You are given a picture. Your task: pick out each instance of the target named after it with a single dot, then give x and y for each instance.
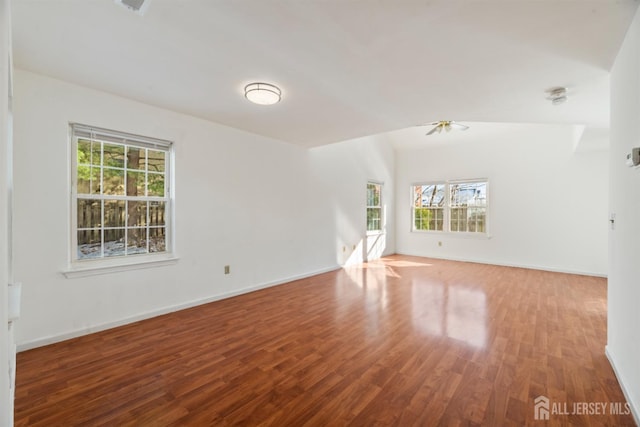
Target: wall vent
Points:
(137, 6)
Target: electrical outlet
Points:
(227, 269)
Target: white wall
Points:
(6, 405)
(623, 346)
(547, 204)
(344, 170)
(264, 207)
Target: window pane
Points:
(157, 240)
(96, 153)
(84, 152)
(455, 216)
(89, 213)
(113, 180)
(438, 219)
(137, 214)
(135, 158)
(155, 161)
(89, 244)
(114, 242)
(373, 219)
(83, 179)
(429, 195)
(156, 184)
(428, 219)
(113, 155)
(469, 194)
(136, 240)
(156, 213)
(88, 180)
(373, 194)
(114, 213)
(477, 219)
(135, 184)
(422, 216)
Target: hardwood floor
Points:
(401, 341)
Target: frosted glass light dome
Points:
(262, 93)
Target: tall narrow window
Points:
(374, 207)
(454, 206)
(121, 198)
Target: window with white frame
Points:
(121, 203)
(428, 207)
(454, 206)
(374, 207)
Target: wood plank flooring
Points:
(397, 342)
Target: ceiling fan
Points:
(446, 125)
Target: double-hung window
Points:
(121, 202)
(428, 207)
(374, 207)
(452, 206)
(468, 207)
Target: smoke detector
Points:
(557, 95)
(137, 6)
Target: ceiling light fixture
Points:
(262, 93)
(446, 125)
(557, 95)
(137, 6)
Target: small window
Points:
(121, 197)
(455, 206)
(374, 207)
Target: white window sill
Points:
(97, 267)
(480, 236)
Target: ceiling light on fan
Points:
(447, 125)
(557, 95)
(137, 6)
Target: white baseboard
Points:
(506, 264)
(40, 342)
(635, 411)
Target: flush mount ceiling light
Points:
(557, 95)
(262, 93)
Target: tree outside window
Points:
(121, 194)
(456, 206)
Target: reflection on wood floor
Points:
(399, 341)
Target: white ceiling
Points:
(347, 68)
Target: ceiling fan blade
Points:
(459, 126)
(432, 131)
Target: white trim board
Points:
(634, 410)
(506, 264)
(40, 342)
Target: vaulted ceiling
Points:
(347, 68)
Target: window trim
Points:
(381, 230)
(91, 266)
(447, 209)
